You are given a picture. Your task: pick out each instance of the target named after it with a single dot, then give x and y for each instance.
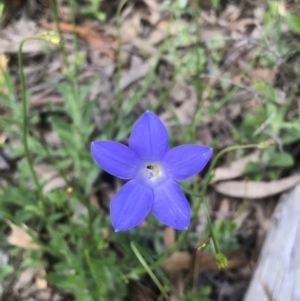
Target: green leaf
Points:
(282, 159)
(64, 130)
(294, 23)
(1, 9)
(291, 135)
(6, 270)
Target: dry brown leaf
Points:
(206, 261)
(184, 112)
(32, 281)
(47, 173)
(25, 279)
(38, 101)
(264, 74)
(178, 261)
(235, 169)
(103, 43)
(179, 92)
(135, 74)
(131, 28)
(20, 238)
(230, 14)
(158, 34)
(57, 182)
(12, 36)
(256, 190)
(154, 8)
(241, 26)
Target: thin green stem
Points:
(62, 42)
(72, 15)
(119, 60)
(154, 266)
(197, 82)
(210, 226)
(92, 270)
(149, 271)
(25, 125)
(118, 102)
(184, 234)
(208, 176)
(72, 73)
(206, 183)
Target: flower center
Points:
(152, 171)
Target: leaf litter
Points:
(256, 190)
(144, 29)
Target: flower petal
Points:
(186, 160)
(171, 206)
(149, 137)
(130, 205)
(117, 159)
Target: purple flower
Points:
(153, 169)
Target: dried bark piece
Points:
(278, 269)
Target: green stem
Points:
(184, 234)
(214, 162)
(92, 270)
(209, 222)
(197, 82)
(73, 74)
(72, 15)
(155, 267)
(25, 124)
(149, 271)
(118, 102)
(210, 171)
(62, 42)
(206, 183)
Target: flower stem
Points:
(149, 271)
(118, 97)
(184, 234)
(209, 222)
(25, 124)
(196, 82)
(62, 43)
(208, 179)
(205, 185)
(214, 162)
